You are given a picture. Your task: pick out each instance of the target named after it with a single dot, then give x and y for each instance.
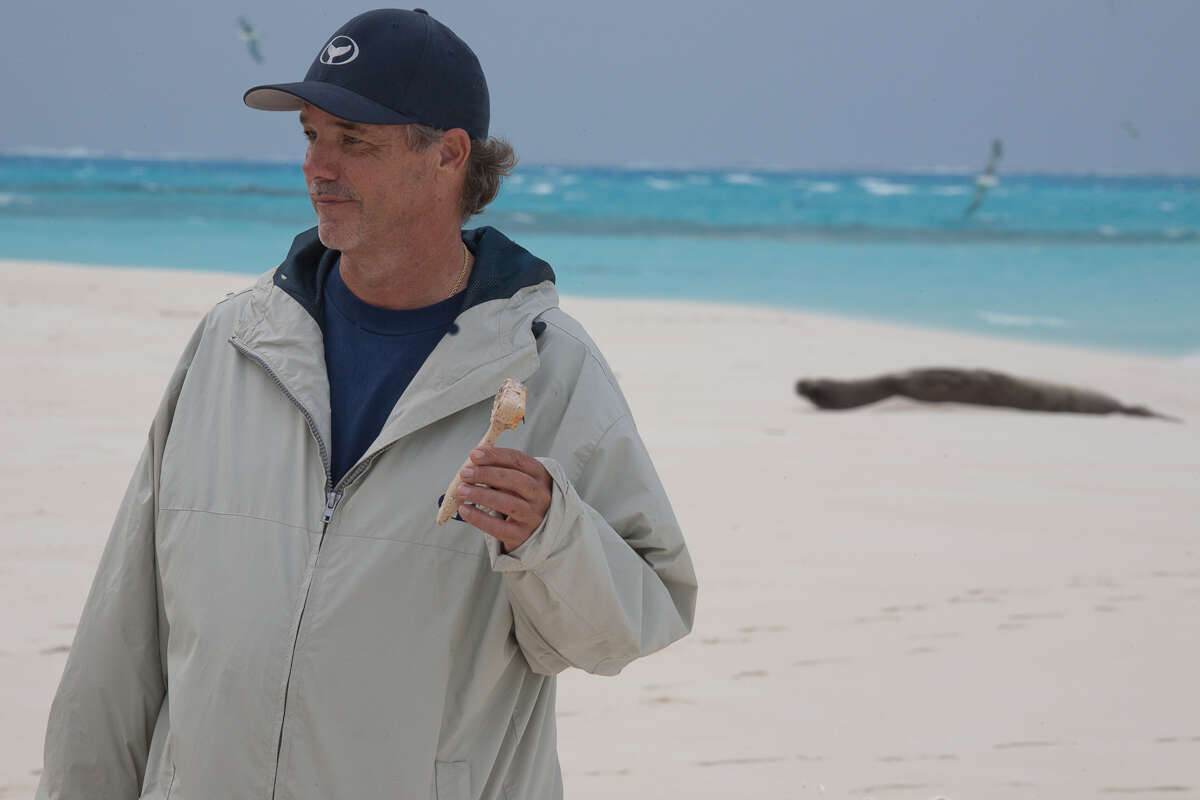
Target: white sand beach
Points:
(902, 601)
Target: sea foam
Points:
(743, 179)
(882, 188)
(1022, 320)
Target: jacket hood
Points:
(502, 268)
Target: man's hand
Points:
(518, 486)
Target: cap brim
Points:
(332, 99)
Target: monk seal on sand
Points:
(974, 386)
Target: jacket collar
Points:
(501, 268)
(495, 338)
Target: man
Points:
(276, 613)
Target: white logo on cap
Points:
(340, 50)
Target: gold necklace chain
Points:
(462, 274)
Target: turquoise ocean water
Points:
(1110, 262)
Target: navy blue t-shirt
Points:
(372, 354)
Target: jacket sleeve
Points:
(606, 578)
(103, 714)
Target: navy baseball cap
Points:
(390, 67)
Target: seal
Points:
(972, 386)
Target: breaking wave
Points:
(743, 179)
(1022, 320)
(882, 188)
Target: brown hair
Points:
(490, 161)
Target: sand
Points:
(905, 601)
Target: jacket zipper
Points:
(331, 501)
(332, 497)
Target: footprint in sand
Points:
(748, 629)
(726, 640)
(1185, 574)
(58, 648)
(813, 662)
(751, 673)
(757, 628)
(979, 596)
(1016, 745)
(1092, 581)
(901, 609)
(890, 614)
(932, 757)
(1145, 789)
(893, 787)
(723, 762)
(625, 771)
(1018, 621)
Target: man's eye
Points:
(309, 135)
(351, 140)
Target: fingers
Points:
(511, 534)
(504, 479)
(515, 508)
(506, 457)
(516, 485)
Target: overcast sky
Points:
(845, 84)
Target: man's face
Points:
(366, 185)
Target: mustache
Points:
(329, 189)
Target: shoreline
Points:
(1190, 359)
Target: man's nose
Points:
(319, 163)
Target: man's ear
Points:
(455, 149)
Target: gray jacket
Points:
(255, 632)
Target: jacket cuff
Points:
(547, 537)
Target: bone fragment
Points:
(508, 410)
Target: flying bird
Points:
(250, 36)
(1131, 129)
(986, 179)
